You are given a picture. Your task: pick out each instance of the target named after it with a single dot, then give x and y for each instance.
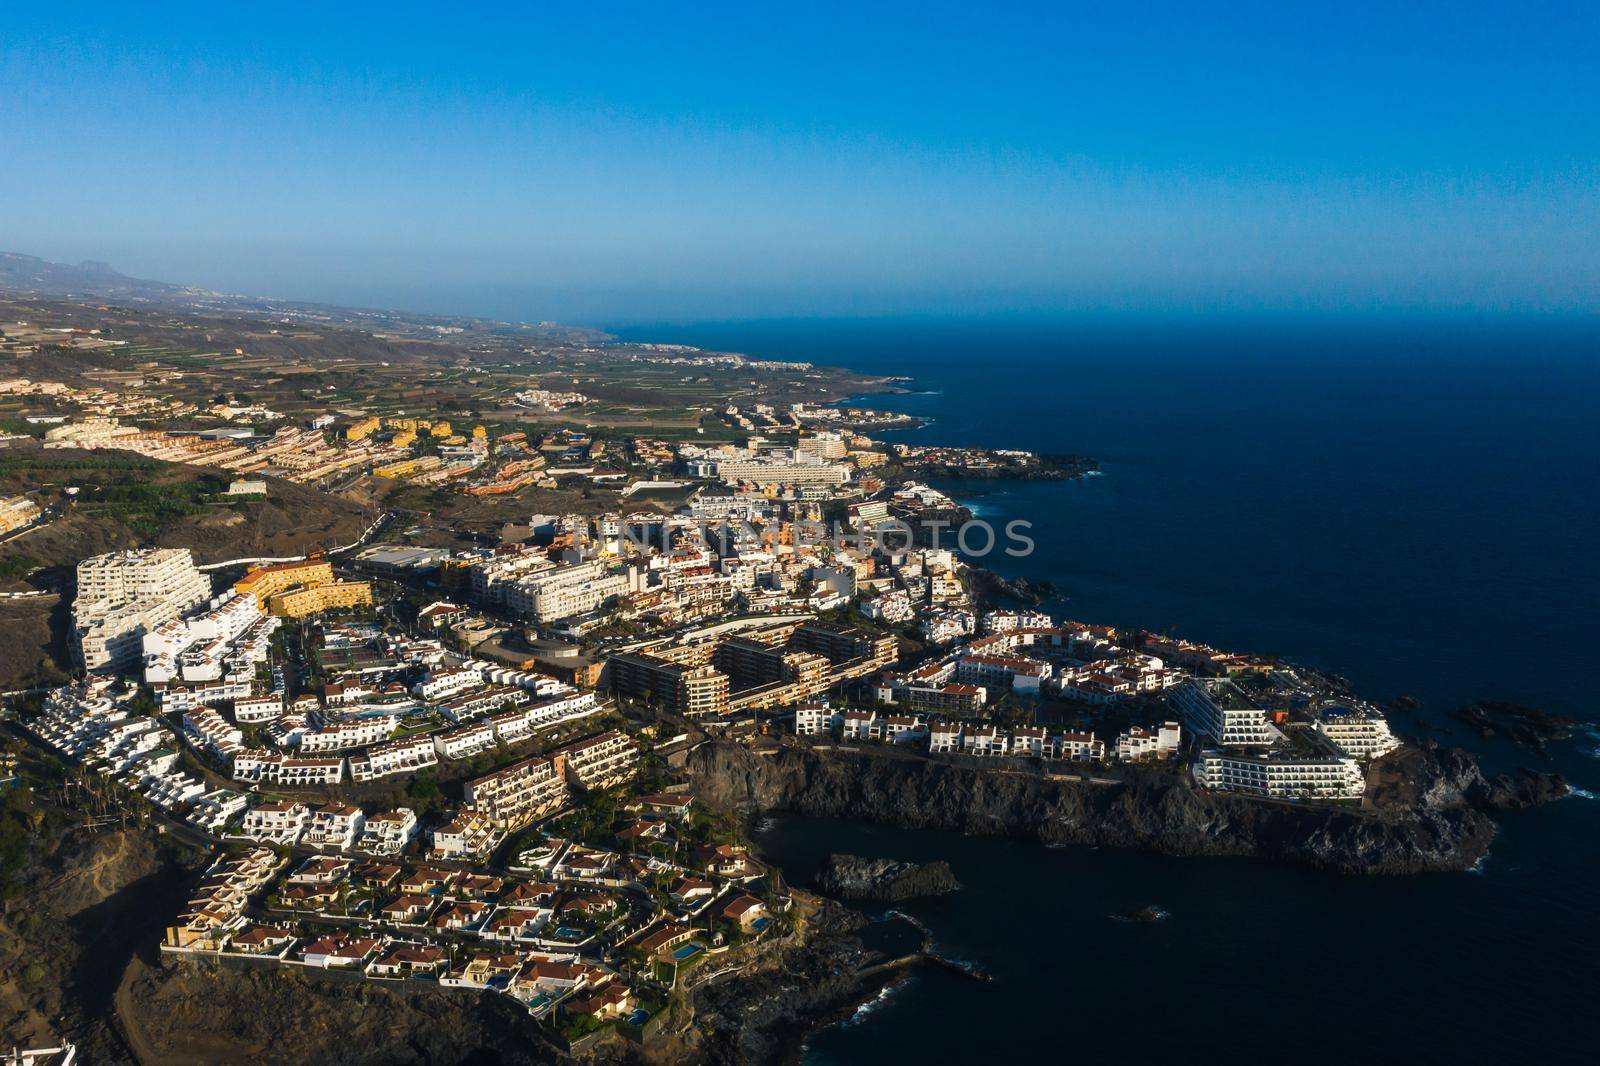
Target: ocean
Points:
(1411, 504)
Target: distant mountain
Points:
(30, 275)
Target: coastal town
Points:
(470, 763)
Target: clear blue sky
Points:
(619, 162)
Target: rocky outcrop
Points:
(1527, 726)
(1149, 811)
(884, 880)
(765, 1014)
(1429, 776)
(196, 1010)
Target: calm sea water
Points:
(1412, 505)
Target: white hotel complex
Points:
(124, 595)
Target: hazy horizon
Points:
(727, 163)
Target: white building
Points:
(124, 595)
(388, 832)
(465, 741)
(1221, 711)
(1330, 775)
(944, 737)
(256, 709)
(902, 728)
(336, 826)
(276, 823)
(564, 591)
(354, 733)
(812, 719)
(403, 756)
(860, 725)
(1155, 743)
(986, 740)
(1363, 734)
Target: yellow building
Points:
(441, 430)
(403, 468)
(17, 512)
(479, 433)
(404, 438)
(265, 582)
(361, 429)
(316, 599)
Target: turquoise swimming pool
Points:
(686, 951)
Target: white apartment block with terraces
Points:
(352, 733)
(335, 826)
(124, 595)
(601, 761)
(1328, 775)
(388, 832)
(515, 795)
(403, 756)
(1362, 733)
(278, 822)
(254, 710)
(1220, 711)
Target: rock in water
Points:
(884, 880)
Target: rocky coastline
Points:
(1429, 811)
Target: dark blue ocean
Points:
(1411, 504)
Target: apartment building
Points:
(124, 595)
(469, 835)
(1157, 742)
(955, 697)
(254, 710)
(854, 652)
(353, 733)
(278, 822)
(564, 591)
(404, 756)
(319, 599)
(684, 689)
(1325, 774)
(985, 740)
(859, 725)
(812, 719)
(336, 826)
(388, 832)
(465, 741)
(517, 794)
(1361, 733)
(265, 582)
(16, 512)
(944, 738)
(209, 730)
(273, 768)
(1023, 676)
(601, 761)
(1221, 711)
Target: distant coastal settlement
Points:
(552, 622)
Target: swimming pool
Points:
(685, 951)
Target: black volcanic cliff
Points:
(1441, 826)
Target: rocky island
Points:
(853, 877)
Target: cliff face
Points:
(1152, 813)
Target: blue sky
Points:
(636, 163)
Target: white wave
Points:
(1581, 793)
(872, 1005)
(1481, 865)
